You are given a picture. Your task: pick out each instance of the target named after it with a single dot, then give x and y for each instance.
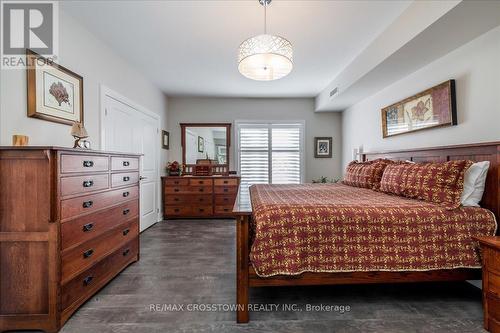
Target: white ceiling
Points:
(190, 47)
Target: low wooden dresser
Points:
(199, 197)
(490, 249)
(68, 225)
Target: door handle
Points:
(142, 178)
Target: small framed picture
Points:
(54, 92)
(201, 144)
(165, 139)
(323, 147)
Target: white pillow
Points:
(474, 182)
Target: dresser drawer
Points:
(177, 211)
(84, 163)
(226, 189)
(492, 259)
(94, 202)
(494, 307)
(494, 284)
(200, 182)
(223, 210)
(87, 283)
(90, 226)
(188, 190)
(84, 184)
(124, 163)
(226, 182)
(202, 210)
(86, 254)
(222, 199)
(124, 179)
(176, 181)
(186, 199)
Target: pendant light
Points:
(265, 57)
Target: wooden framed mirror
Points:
(206, 148)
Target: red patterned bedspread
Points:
(335, 227)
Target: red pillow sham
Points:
(441, 183)
(365, 174)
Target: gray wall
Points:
(201, 109)
(83, 53)
(474, 66)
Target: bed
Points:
(379, 238)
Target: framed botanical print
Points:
(201, 144)
(54, 92)
(165, 139)
(323, 147)
(434, 107)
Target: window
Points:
(270, 152)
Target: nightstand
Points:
(490, 249)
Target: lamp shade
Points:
(78, 131)
(265, 57)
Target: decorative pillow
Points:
(474, 183)
(365, 174)
(440, 183)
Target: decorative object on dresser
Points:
(214, 139)
(490, 250)
(323, 147)
(20, 140)
(434, 107)
(54, 92)
(196, 197)
(173, 168)
(69, 223)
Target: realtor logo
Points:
(27, 25)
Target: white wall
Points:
(204, 109)
(83, 53)
(475, 67)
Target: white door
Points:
(127, 129)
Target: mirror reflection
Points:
(206, 143)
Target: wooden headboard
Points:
(489, 151)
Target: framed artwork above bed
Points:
(434, 107)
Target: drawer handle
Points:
(126, 179)
(88, 253)
(88, 204)
(126, 211)
(226, 189)
(88, 164)
(201, 190)
(88, 183)
(126, 252)
(176, 182)
(88, 227)
(226, 209)
(200, 182)
(126, 194)
(176, 210)
(176, 190)
(87, 280)
(201, 210)
(226, 199)
(126, 231)
(176, 199)
(200, 200)
(226, 182)
(126, 163)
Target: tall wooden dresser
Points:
(199, 196)
(68, 225)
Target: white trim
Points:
(269, 123)
(106, 91)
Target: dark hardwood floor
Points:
(193, 262)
